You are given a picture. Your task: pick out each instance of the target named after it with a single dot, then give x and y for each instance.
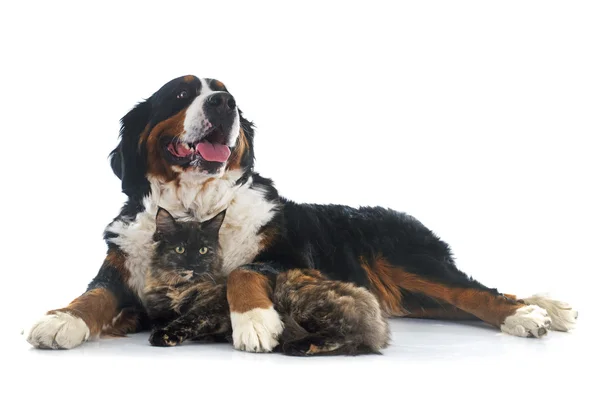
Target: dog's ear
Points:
(128, 159)
(247, 127)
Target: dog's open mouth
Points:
(212, 147)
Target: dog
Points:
(189, 149)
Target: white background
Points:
(479, 118)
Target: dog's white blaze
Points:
(59, 330)
(196, 124)
(528, 321)
(256, 330)
(197, 197)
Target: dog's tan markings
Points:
(486, 306)
(189, 78)
(157, 165)
(388, 280)
(268, 237)
(241, 146)
(217, 85)
(116, 259)
(247, 290)
(96, 307)
(127, 321)
(383, 286)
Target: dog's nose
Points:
(221, 102)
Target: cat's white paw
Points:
(256, 330)
(563, 316)
(528, 321)
(58, 331)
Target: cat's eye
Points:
(179, 250)
(203, 250)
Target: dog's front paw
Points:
(164, 338)
(256, 330)
(59, 330)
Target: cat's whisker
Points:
(211, 277)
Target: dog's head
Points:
(188, 125)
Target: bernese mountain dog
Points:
(189, 149)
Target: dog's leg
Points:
(256, 325)
(445, 283)
(88, 314)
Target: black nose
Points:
(222, 102)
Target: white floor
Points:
(429, 364)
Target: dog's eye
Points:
(203, 250)
(179, 250)
(183, 94)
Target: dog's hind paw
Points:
(564, 317)
(527, 321)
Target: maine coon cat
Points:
(186, 297)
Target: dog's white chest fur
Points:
(198, 198)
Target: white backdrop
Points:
(480, 119)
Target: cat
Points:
(186, 298)
(184, 295)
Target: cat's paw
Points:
(164, 338)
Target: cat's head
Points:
(186, 249)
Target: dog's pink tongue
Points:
(213, 152)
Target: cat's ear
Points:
(165, 223)
(214, 224)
